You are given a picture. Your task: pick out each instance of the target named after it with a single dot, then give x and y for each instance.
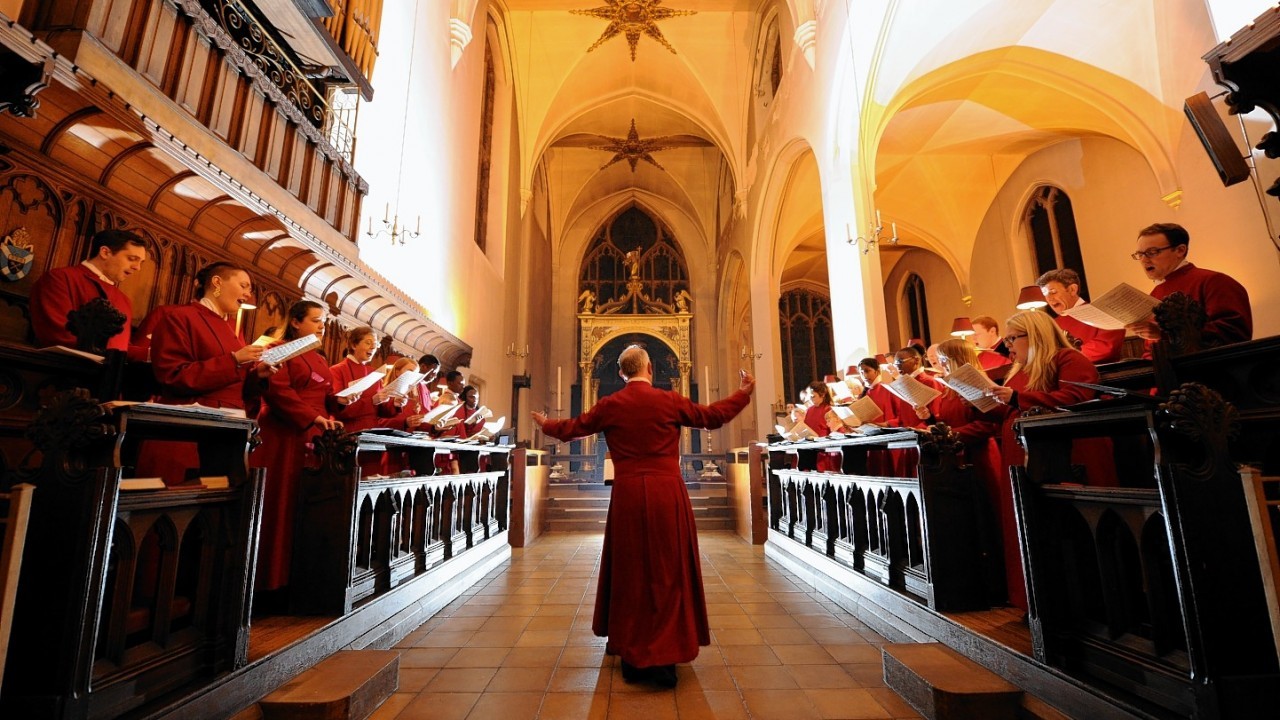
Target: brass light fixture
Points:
(633, 18)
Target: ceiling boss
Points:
(633, 18)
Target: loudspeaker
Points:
(1213, 134)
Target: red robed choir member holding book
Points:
(822, 420)
(1044, 362)
(879, 462)
(115, 256)
(198, 358)
(1061, 290)
(650, 601)
(294, 411)
(368, 408)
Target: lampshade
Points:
(851, 371)
(880, 358)
(961, 327)
(829, 378)
(1030, 298)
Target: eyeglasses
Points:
(1009, 340)
(1150, 253)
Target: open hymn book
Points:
(971, 384)
(359, 385)
(912, 391)
(860, 411)
(840, 393)
(1120, 306)
(799, 431)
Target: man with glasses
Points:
(1162, 250)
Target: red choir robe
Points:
(816, 419)
(880, 462)
(1225, 302)
(61, 290)
(294, 397)
(905, 462)
(193, 358)
(140, 340)
(990, 359)
(1095, 454)
(650, 601)
(1100, 346)
(361, 414)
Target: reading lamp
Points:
(1030, 298)
(962, 328)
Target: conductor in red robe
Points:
(1061, 290)
(1162, 250)
(650, 602)
(116, 254)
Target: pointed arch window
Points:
(808, 345)
(662, 268)
(1051, 230)
(486, 149)
(916, 305)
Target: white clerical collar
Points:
(94, 269)
(1185, 262)
(353, 359)
(213, 306)
(1079, 301)
(639, 379)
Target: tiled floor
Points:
(519, 646)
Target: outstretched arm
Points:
(720, 412)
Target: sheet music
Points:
(406, 380)
(913, 391)
(438, 413)
(840, 393)
(293, 348)
(971, 384)
(359, 385)
(481, 412)
(1120, 306)
(865, 410)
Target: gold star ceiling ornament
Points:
(631, 148)
(633, 18)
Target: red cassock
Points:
(1099, 345)
(61, 290)
(1225, 302)
(361, 414)
(1095, 454)
(991, 359)
(816, 418)
(293, 399)
(192, 356)
(140, 341)
(906, 462)
(650, 602)
(881, 462)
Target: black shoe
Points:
(631, 673)
(663, 675)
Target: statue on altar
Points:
(588, 301)
(682, 301)
(632, 261)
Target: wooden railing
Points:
(1154, 591)
(127, 596)
(921, 536)
(15, 509)
(358, 538)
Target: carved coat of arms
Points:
(18, 255)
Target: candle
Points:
(559, 397)
(895, 229)
(386, 213)
(706, 382)
(878, 223)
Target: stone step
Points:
(942, 684)
(348, 685)
(592, 525)
(600, 513)
(697, 501)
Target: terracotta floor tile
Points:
(786, 636)
(803, 655)
(847, 704)
(446, 638)
(763, 677)
(477, 657)
(718, 622)
(779, 705)
(574, 706)
(867, 675)
(856, 653)
(461, 680)
(764, 608)
(643, 706)
(390, 708)
(413, 680)
(507, 706)
(557, 609)
(737, 636)
(532, 657)
(763, 622)
(520, 679)
(703, 679)
(835, 636)
(426, 657)
(821, 676)
(473, 610)
(501, 623)
(550, 622)
(439, 706)
(815, 621)
(729, 608)
(495, 638)
(581, 679)
(543, 638)
(582, 656)
(748, 655)
(712, 705)
(894, 703)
